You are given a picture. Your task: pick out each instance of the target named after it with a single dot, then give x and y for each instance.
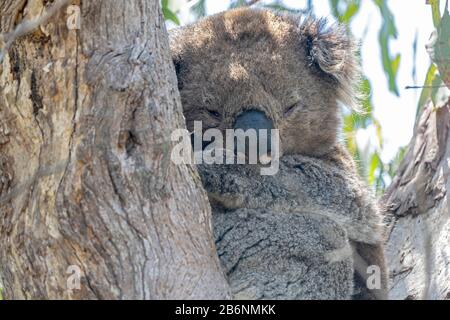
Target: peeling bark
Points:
(418, 248)
(86, 178)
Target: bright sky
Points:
(396, 114)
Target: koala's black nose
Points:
(257, 120)
(253, 119)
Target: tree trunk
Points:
(87, 186)
(418, 249)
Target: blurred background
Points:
(398, 73)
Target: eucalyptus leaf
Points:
(427, 90)
(442, 47)
(436, 11)
(388, 32)
(199, 9)
(168, 13)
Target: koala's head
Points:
(275, 70)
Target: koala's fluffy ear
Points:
(333, 51)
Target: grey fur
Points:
(288, 236)
(268, 255)
(302, 185)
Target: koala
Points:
(311, 231)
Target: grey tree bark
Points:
(86, 180)
(417, 202)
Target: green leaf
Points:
(199, 9)
(427, 90)
(351, 11)
(441, 54)
(238, 3)
(169, 15)
(379, 132)
(344, 10)
(436, 85)
(387, 32)
(436, 10)
(375, 164)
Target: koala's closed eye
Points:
(213, 113)
(290, 110)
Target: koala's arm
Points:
(271, 255)
(365, 255)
